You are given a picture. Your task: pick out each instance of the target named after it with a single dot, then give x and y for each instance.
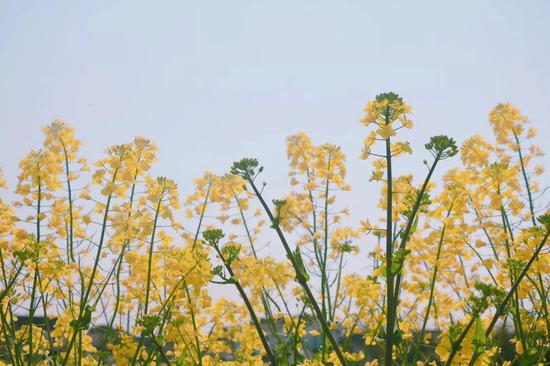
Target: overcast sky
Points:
(213, 81)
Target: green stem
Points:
(299, 276)
(119, 266)
(517, 314)
(35, 279)
(456, 345)
(526, 181)
(411, 219)
(149, 271)
(195, 329)
(504, 303)
(8, 284)
(150, 258)
(325, 289)
(534, 221)
(203, 210)
(265, 294)
(94, 269)
(249, 307)
(502, 307)
(433, 280)
(391, 309)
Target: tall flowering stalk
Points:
(246, 169)
(318, 172)
(388, 114)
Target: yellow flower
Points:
(507, 122)
(386, 131)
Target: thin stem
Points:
(203, 210)
(94, 269)
(543, 295)
(265, 294)
(195, 330)
(390, 307)
(433, 280)
(249, 307)
(517, 314)
(35, 279)
(299, 275)
(150, 258)
(411, 219)
(325, 289)
(456, 345)
(502, 307)
(119, 266)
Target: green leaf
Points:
(397, 337)
(479, 339)
(397, 260)
(300, 264)
(84, 321)
(149, 323)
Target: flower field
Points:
(104, 264)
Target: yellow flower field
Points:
(104, 264)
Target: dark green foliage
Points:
(442, 147)
(246, 168)
(213, 236)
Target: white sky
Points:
(213, 81)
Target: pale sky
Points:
(214, 81)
